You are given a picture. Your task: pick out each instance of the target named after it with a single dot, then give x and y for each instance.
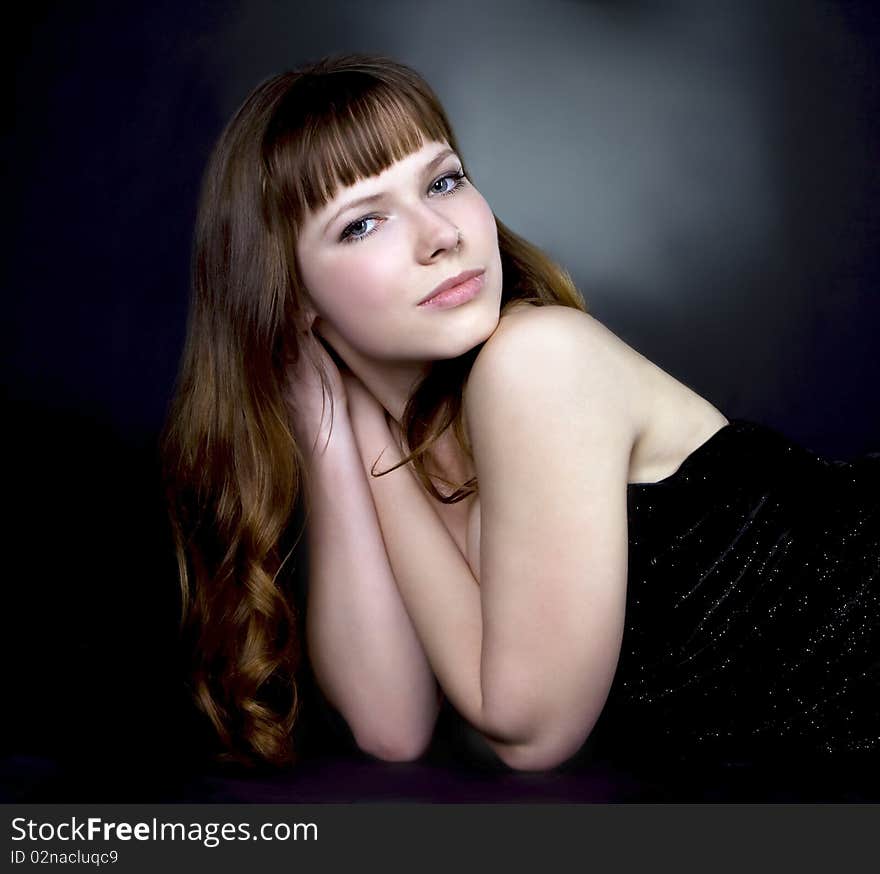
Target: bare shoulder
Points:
(534, 345)
(528, 320)
(553, 381)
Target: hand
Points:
(304, 394)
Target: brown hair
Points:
(233, 471)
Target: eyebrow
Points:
(372, 198)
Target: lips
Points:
(452, 282)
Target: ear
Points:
(311, 315)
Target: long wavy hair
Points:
(232, 469)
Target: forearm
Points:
(436, 583)
(365, 653)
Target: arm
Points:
(528, 657)
(554, 414)
(435, 582)
(364, 651)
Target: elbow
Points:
(400, 742)
(537, 741)
(542, 753)
(405, 748)
(540, 732)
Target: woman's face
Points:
(368, 265)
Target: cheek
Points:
(482, 220)
(358, 279)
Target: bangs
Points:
(333, 130)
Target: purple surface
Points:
(358, 779)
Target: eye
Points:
(456, 178)
(352, 233)
(363, 227)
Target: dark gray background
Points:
(706, 169)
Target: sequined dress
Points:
(752, 627)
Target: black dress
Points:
(752, 629)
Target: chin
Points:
(486, 320)
(493, 317)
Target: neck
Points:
(390, 382)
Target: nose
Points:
(437, 233)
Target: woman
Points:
(363, 332)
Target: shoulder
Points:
(560, 350)
(531, 333)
